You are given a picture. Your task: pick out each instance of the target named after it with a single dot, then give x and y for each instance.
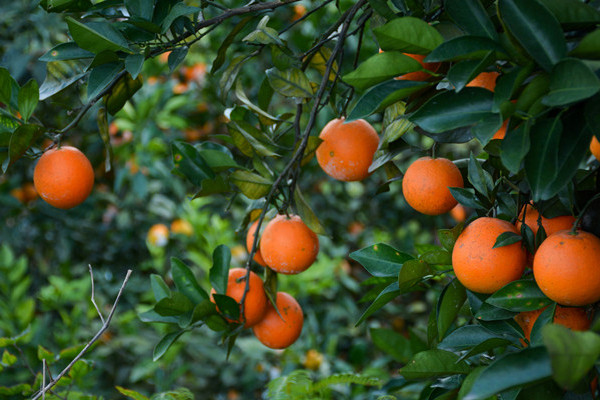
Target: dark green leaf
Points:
(60, 75)
(572, 354)
(467, 198)
(384, 297)
(488, 312)
(189, 162)
(536, 29)
(392, 343)
(161, 347)
(177, 304)
(460, 74)
(307, 214)
(571, 80)
(541, 163)
(479, 178)
(381, 260)
(434, 363)
(101, 77)
(546, 317)
(589, 47)
(140, 8)
(573, 14)
(450, 302)
(227, 306)
(159, 287)
(186, 282)
(513, 370)
(97, 36)
(222, 52)
(517, 296)
(219, 272)
(290, 83)
(20, 140)
(409, 35)
(178, 10)
(515, 147)
(134, 64)
(6, 84)
(66, 51)
(448, 237)
(467, 337)
(176, 57)
(381, 67)
(471, 17)
(506, 239)
(121, 92)
(464, 48)
(412, 273)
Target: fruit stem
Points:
(433, 149)
(583, 210)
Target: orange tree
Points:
(516, 85)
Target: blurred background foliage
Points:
(44, 280)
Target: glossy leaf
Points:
(573, 14)
(461, 73)
(381, 67)
(448, 237)
(409, 35)
(97, 37)
(307, 214)
(467, 198)
(66, 51)
(506, 239)
(20, 140)
(571, 80)
(471, 17)
(434, 363)
(60, 75)
(176, 57)
(517, 296)
(134, 64)
(101, 77)
(159, 287)
(381, 260)
(412, 273)
(219, 272)
(479, 178)
(488, 312)
(464, 48)
(392, 343)
(536, 29)
(186, 282)
(513, 370)
(222, 52)
(227, 306)
(290, 83)
(467, 337)
(449, 304)
(541, 163)
(515, 146)
(250, 184)
(385, 296)
(5, 85)
(161, 347)
(588, 47)
(189, 162)
(178, 10)
(176, 304)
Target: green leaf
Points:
(518, 296)
(56, 6)
(177, 304)
(66, 51)
(60, 75)
(506, 239)
(541, 163)
(515, 146)
(101, 77)
(450, 302)
(178, 10)
(6, 86)
(140, 8)
(412, 273)
(572, 354)
(470, 336)
(249, 139)
(263, 115)
(121, 92)
(409, 35)
(572, 14)
(219, 272)
(227, 306)
(434, 363)
(460, 74)
(479, 178)
(589, 47)
(176, 57)
(97, 36)
(161, 347)
(20, 140)
(437, 257)
(250, 184)
(190, 163)
(8, 359)
(44, 354)
(263, 34)
(571, 80)
(381, 260)
(450, 110)
(448, 237)
(392, 343)
(290, 83)
(159, 287)
(307, 214)
(222, 52)
(471, 17)
(382, 95)
(134, 64)
(528, 366)
(186, 282)
(132, 394)
(536, 29)
(467, 198)
(381, 67)
(385, 296)
(464, 48)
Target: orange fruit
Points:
(63, 177)
(574, 318)
(480, 267)
(486, 80)
(420, 75)
(458, 213)
(182, 227)
(250, 241)
(551, 225)
(288, 246)
(595, 148)
(158, 235)
(299, 12)
(566, 267)
(313, 360)
(426, 182)
(256, 300)
(279, 332)
(501, 133)
(347, 150)
(180, 88)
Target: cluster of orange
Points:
(286, 246)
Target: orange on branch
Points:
(279, 332)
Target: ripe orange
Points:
(426, 182)
(574, 318)
(420, 75)
(551, 225)
(566, 267)
(288, 246)
(595, 148)
(279, 332)
(250, 241)
(158, 235)
(480, 267)
(347, 150)
(486, 80)
(182, 227)
(63, 177)
(256, 300)
(458, 213)
(501, 133)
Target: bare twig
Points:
(93, 296)
(44, 379)
(105, 325)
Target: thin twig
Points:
(44, 378)
(93, 299)
(103, 329)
